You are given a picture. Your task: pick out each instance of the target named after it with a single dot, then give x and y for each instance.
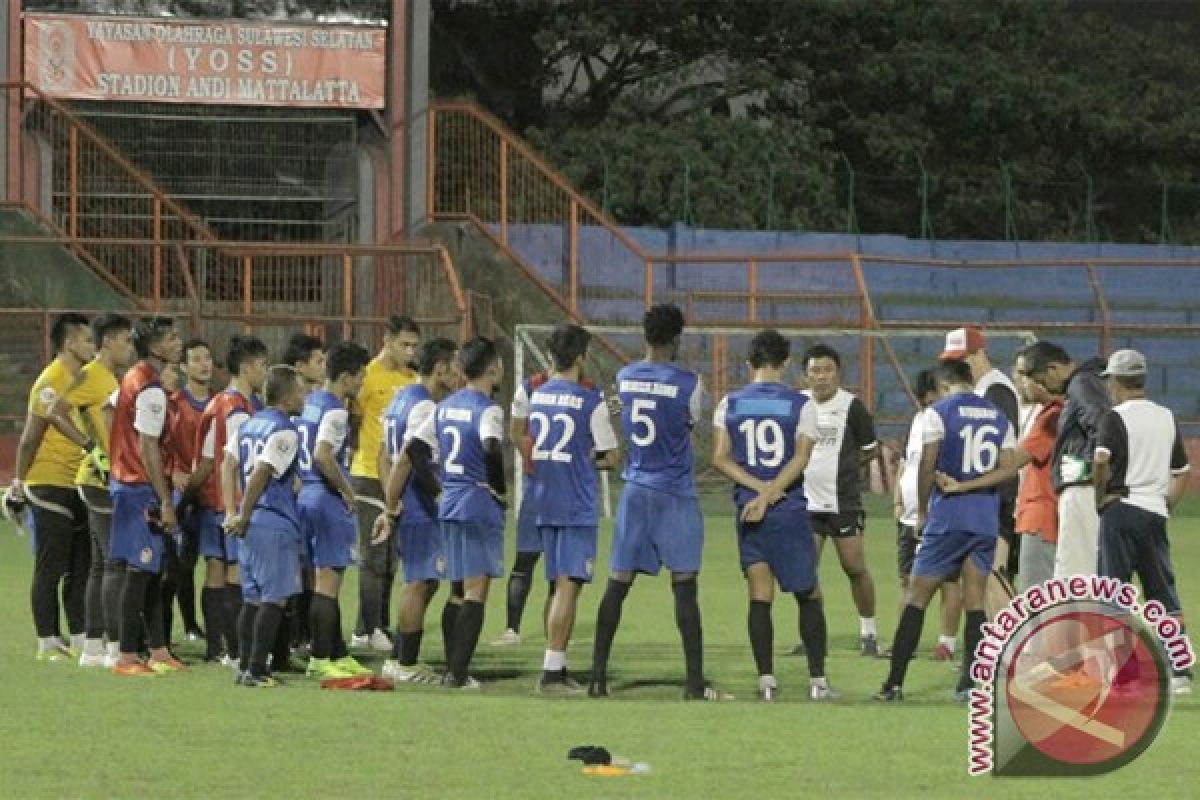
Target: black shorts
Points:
(1135, 540)
(841, 525)
(906, 548)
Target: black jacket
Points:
(1086, 402)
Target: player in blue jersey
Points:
(965, 437)
(411, 514)
(466, 432)
(268, 520)
(764, 435)
(658, 518)
(572, 438)
(327, 509)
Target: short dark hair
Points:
(476, 356)
(768, 348)
(346, 357)
(822, 351)
(433, 352)
(926, 382)
(662, 324)
(107, 324)
(149, 331)
(402, 323)
(281, 379)
(193, 343)
(956, 370)
(242, 349)
(1130, 381)
(300, 348)
(63, 326)
(1041, 354)
(566, 344)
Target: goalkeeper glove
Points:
(98, 459)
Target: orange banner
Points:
(230, 62)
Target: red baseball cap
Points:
(961, 341)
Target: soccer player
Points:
(221, 597)
(658, 518)
(764, 434)
(965, 436)
(466, 432)
(387, 373)
(572, 438)
(306, 354)
(48, 457)
(327, 504)
(92, 399)
(268, 520)
(143, 509)
(185, 411)
(412, 515)
(906, 519)
(832, 481)
(1141, 471)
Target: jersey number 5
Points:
(638, 416)
(979, 450)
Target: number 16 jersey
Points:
(660, 404)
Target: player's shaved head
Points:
(566, 344)
(662, 324)
(282, 382)
(768, 348)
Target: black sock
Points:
(322, 615)
(233, 609)
(114, 586)
(687, 619)
(519, 584)
(153, 613)
(133, 604)
(167, 590)
(466, 637)
(302, 630)
(338, 648)
(266, 627)
(212, 605)
(812, 633)
(281, 648)
(762, 636)
(245, 634)
(608, 617)
(185, 594)
(408, 646)
(971, 635)
(908, 636)
(449, 620)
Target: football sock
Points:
(449, 620)
(866, 626)
(466, 637)
(233, 607)
(971, 635)
(323, 621)
(281, 648)
(213, 609)
(167, 589)
(133, 603)
(762, 635)
(687, 619)
(554, 666)
(266, 627)
(370, 596)
(519, 584)
(608, 617)
(114, 578)
(908, 635)
(245, 634)
(301, 629)
(409, 646)
(338, 646)
(154, 615)
(185, 593)
(812, 633)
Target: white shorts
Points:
(1078, 533)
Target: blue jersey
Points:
(660, 404)
(568, 423)
(270, 437)
(324, 419)
(456, 432)
(764, 421)
(971, 432)
(411, 406)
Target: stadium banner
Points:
(229, 62)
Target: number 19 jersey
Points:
(660, 404)
(971, 432)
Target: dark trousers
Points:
(62, 555)
(1133, 540)
(376, 563)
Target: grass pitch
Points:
(68, 732)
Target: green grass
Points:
(70, 732)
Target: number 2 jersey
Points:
(410, 408)
(568, 423)
(324, 419)
(972, 432)
(660, 404)
(764, 421)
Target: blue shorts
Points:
(784, 542)
(529, 539)
(214, 543)
(473, 549)
(424, 548)
(132, 541)
(270, 564)
(655, 529)
(570, 551)
(330, 528)
(942, 555)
